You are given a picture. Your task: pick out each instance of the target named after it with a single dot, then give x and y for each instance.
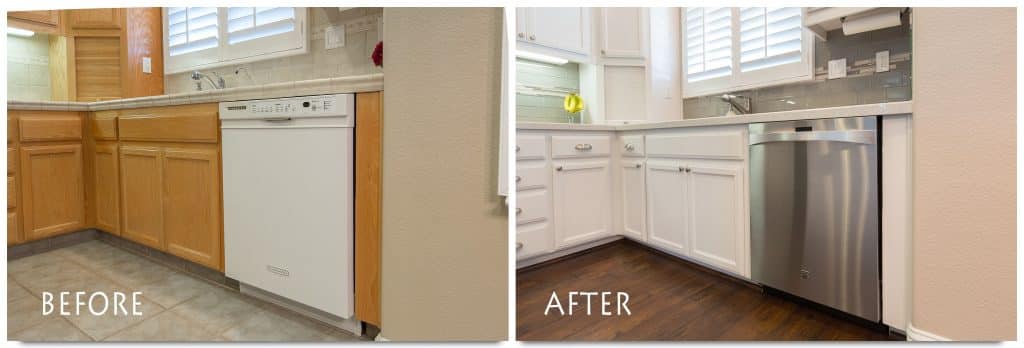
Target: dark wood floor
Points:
(670, 299)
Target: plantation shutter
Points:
(769, 37)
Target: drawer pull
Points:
(559, 168)
(584, 147)
(638, 165)
(517, 148)
(687, 170)
(630, 147)
(519, 245)
(519, 211)
(683, 169)
(519, 178)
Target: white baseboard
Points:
(381, 338)
(915, 334)
(572, 250)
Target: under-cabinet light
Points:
(540, 58)
(19, 32)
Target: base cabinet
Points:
(667, 192)
(105, 176)
(53, 192)
(717, 216)
(633, 198)
(582, 201)
(191, 182)
(141, 195)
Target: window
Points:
(738, 48)
(205, 37)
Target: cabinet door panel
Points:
(565, 28)
(582, 202)
(666, 205)
(141, 195)
(95, 18)
(106, 174)
(48, 17)
(622, 32)
(718, 231)
(191, 188)
(53, 191)
(13, 237)
(633, 196)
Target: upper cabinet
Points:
(96, 18)
(45, 21)
(733, 48)
(558, 31)
(622, 32)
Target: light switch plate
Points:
(882, 61)
(837, 68)
(334, 36)
(147, 65)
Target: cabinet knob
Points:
(517, 148)
(602, 51)
(687, 170)
(519, 178)
(521, 35)
(559, 168)
(519, 245)
(533, 37)
(638, 165)
(584, 147)
(519, 211)
(681, 169)
(630, 147)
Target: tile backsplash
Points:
(861, 86)
(542, 88)
(28, 67)
(353, 59)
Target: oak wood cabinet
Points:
(106, 187)
(191, 204)
(141, 195)
(52, 190)
(43, 21)
(95, 18)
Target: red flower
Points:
(378, 54)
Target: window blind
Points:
(250, 23)
(769, 36)
(191, 29)
(708, 42)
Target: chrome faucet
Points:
(198, 77)
(738, 103)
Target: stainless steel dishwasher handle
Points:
(850, 136)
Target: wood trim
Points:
(368, 207)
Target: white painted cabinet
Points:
(582, 201)
(561, 28)
(633, 198)
(667, 192)
(534, 235)
(717, 215)
(621, 32)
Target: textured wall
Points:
(28, 67)
(445, 259)
(964, 241)
(353, 59)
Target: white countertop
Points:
(347, 84)
(881, 109)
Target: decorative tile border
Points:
(347, 84)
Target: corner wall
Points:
(445, 238)
(964, 239)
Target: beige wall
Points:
(964, 254)
(445, 259)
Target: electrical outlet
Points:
(837, 68)
(334, 36)
(882, 61)
(147, 65)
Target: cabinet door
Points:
(564, 28)
(96, 18)
(533, 240)
(717, 214)
(191, 190)
(106, 183)
(48, 17)
(582, 201)
(621, 32)
(13, 237)
(666, 205)
(141, 195)
(521, 30)
(633, 199)
(52, 190)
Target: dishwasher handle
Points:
(849, 136)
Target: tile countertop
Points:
(347, 84)
(894, 108)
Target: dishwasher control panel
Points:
(331, 105)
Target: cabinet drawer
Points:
(567, 146)
(532, 206)
(533, 240)
(531, 176)
(729, 145)
(632, 145)
(12, 161)
(12, 193)
(104, 126)
(50, 128)
(185, 123)
(531, 147)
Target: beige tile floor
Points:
(175, 306)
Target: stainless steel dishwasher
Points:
(814, 214)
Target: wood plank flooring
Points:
(670, 299)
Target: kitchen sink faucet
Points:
(739, 103)
(198, 77)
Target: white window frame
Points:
(244, 52)
(739, 80)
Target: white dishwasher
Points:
(288, 198)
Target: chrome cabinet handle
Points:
(519, 245)
(630, 147)
(519, 178)
(559, 168)
(584, 147)
(519, 211)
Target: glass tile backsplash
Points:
(861, 86)
(541, 90)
